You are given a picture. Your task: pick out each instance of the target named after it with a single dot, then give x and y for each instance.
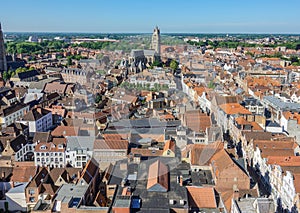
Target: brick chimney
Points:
(39, 110)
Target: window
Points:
(31, 191)
(31, 199)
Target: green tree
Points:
(294, 59)
(250, 53)
(156, 63)
(211, 85)
(98, 98)
(69, 61)
(21, 69)
(11, 73)
(174, 65)
(5, 75)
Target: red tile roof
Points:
(284, 160)
(65, 131)
(197, 121)
(23, 171)
(202, 154)
(234, 108)
(48, 147)
(158, 175)
(202, 197)
(111, 141)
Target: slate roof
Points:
(35, 114)
(12, 109)
(27, 74)
(16, 144)
(80, 142)
(278, 103)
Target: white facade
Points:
(288, 192)
(53, 158)
(204, 103)
(41, 125)
(279, 183)
(79, 150)
(295, 98)
(78, 158)
(20, 155)
(291, 126)
(144, 82)
(14, 116)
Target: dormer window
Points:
(43, 147)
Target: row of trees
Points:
(8, 74)
(35, 48)
(92, 45)
(294, 59)
(74, 57)
(234, 44)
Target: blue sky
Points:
(202, 16)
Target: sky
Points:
(141, 16)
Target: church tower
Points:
(155, 43)
(3, 64)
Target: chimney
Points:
(181, 180)
(236, 193)
(39, 110)
(68, 178)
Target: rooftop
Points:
(80, 142)
(68, 191)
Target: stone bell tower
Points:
(155, 43)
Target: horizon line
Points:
(225, 33)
